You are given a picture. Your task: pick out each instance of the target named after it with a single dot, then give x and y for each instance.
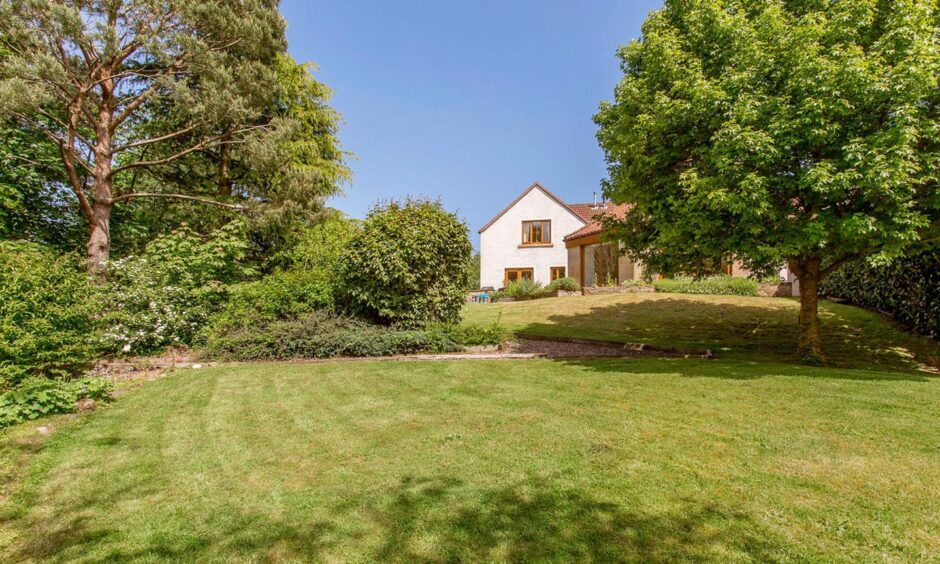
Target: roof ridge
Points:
(547, 192)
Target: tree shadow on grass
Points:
(81, 536)
(739, 370)
(764, 334)
(537, 520)
(430, 520)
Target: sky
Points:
(468, 101)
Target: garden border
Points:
(686, 352)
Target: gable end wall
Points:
(500, 242)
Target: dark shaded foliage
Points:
(907, 289)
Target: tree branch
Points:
(143, 96)
(63, 125)
(152, 140)
(209, 201)
(76, 184)
(202, 145)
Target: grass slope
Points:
(749, 457)
(735, 327)
(645, 460)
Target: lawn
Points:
(734, 327)
(742, 458)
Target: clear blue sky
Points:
(469, 101)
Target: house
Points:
(540, 237)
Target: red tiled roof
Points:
(618, 211)
(586, 211)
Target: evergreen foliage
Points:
(907, 288)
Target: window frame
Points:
(552, 270)
(527, 232)
(521, 271)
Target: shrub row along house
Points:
(540, 237)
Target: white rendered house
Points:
(531, 239)
(541, 238)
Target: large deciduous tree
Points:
(776, 132)
(123, 86)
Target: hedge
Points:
(907, 289)
(323, 334)
(718, 285)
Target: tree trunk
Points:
(99, 237)
(810, 341)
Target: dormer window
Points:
(537, 232)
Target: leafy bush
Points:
(166, 295)
(46, 325)
(322, 334)
(281, 295)
(524, 289)
(718, 285)
(38, 397)
(407, 264)
(475, 335)
(35, 398)
(321, 247)
(309, 282)
(908, 289)
(564, 285)
(98, 389)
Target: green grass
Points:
(750, 457)
(511, 460)
(734, 327)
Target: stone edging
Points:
(641, 347)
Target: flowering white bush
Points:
(164, 296)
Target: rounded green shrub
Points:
(46, 325)
(407, 265)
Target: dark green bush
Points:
(321, 334)
(281, 295)
(474, 335)
(308, 283)
(46, 325)
(407, 265)
(38, 397)
(908, 289)
(716, 285)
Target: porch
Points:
(594, 262)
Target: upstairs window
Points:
(536, 232)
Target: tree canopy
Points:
(126, 91)
(804, 133)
